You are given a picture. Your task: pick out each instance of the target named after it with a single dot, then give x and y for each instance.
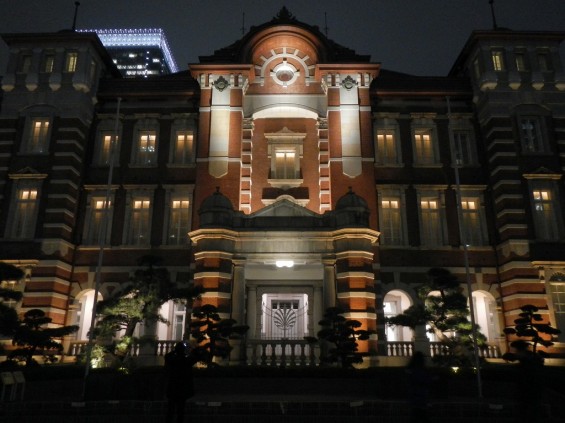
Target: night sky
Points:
(420, 37)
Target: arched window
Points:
(395, 302)
(82, 305)
(486, 315)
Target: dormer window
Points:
(520, 62)
(498, 60)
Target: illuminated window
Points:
(423, 147)
(38, 138)
(498, 60)
(25, 216)
(545, 216)
(472, 226)
(391, 221)
(183, 148)
(179, 221)
(284, 150)
(431, 231)
(71, 61)
(387, 147)
(146, 151)
(531, 135)
(285, 164)
(139, 223)
(98, 216)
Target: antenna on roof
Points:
(77, 4)
(494, 25)
(243, 24)
(326, 23)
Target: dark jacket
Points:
(180, 381)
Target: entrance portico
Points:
(278, 269)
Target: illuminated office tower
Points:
(138, 52)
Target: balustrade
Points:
(282, 352)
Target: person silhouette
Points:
(180, 382)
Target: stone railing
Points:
(293, 352)
(400, 349)
(282, 353)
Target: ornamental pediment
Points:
(284, 208)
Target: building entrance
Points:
(284, 316)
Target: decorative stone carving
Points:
(221, 83)
(348, 83)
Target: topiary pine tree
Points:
(213, 333)
(343, 334)
(139, 301)
(9, 320)
(31, 335)
(444, 308)
(529, 325)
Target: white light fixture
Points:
(284, 263)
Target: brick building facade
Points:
(286, 174)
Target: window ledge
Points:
(285, 183)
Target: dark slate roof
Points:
(333, 52)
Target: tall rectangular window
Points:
(520, 62)
(387, 148)
(146, 151)
(38, 139)
(391, 221)
(23, 226)
(423, 147)
(531, 135)
(183, 148)
(472, 225)
(48, 63)
(140, 223)
(543, 62)
(179, 221)
(179, 321)
(285, 164)
(25, 63)
(98, 217)
(431, 232)
(498, 60)
(464, 152)
(71, 61)
(545, 216)
(104, 149)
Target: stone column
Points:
(252, 312)
(329, 284)
(318, 310)
(238, 311)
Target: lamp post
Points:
(463, 240)
(102, 241)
